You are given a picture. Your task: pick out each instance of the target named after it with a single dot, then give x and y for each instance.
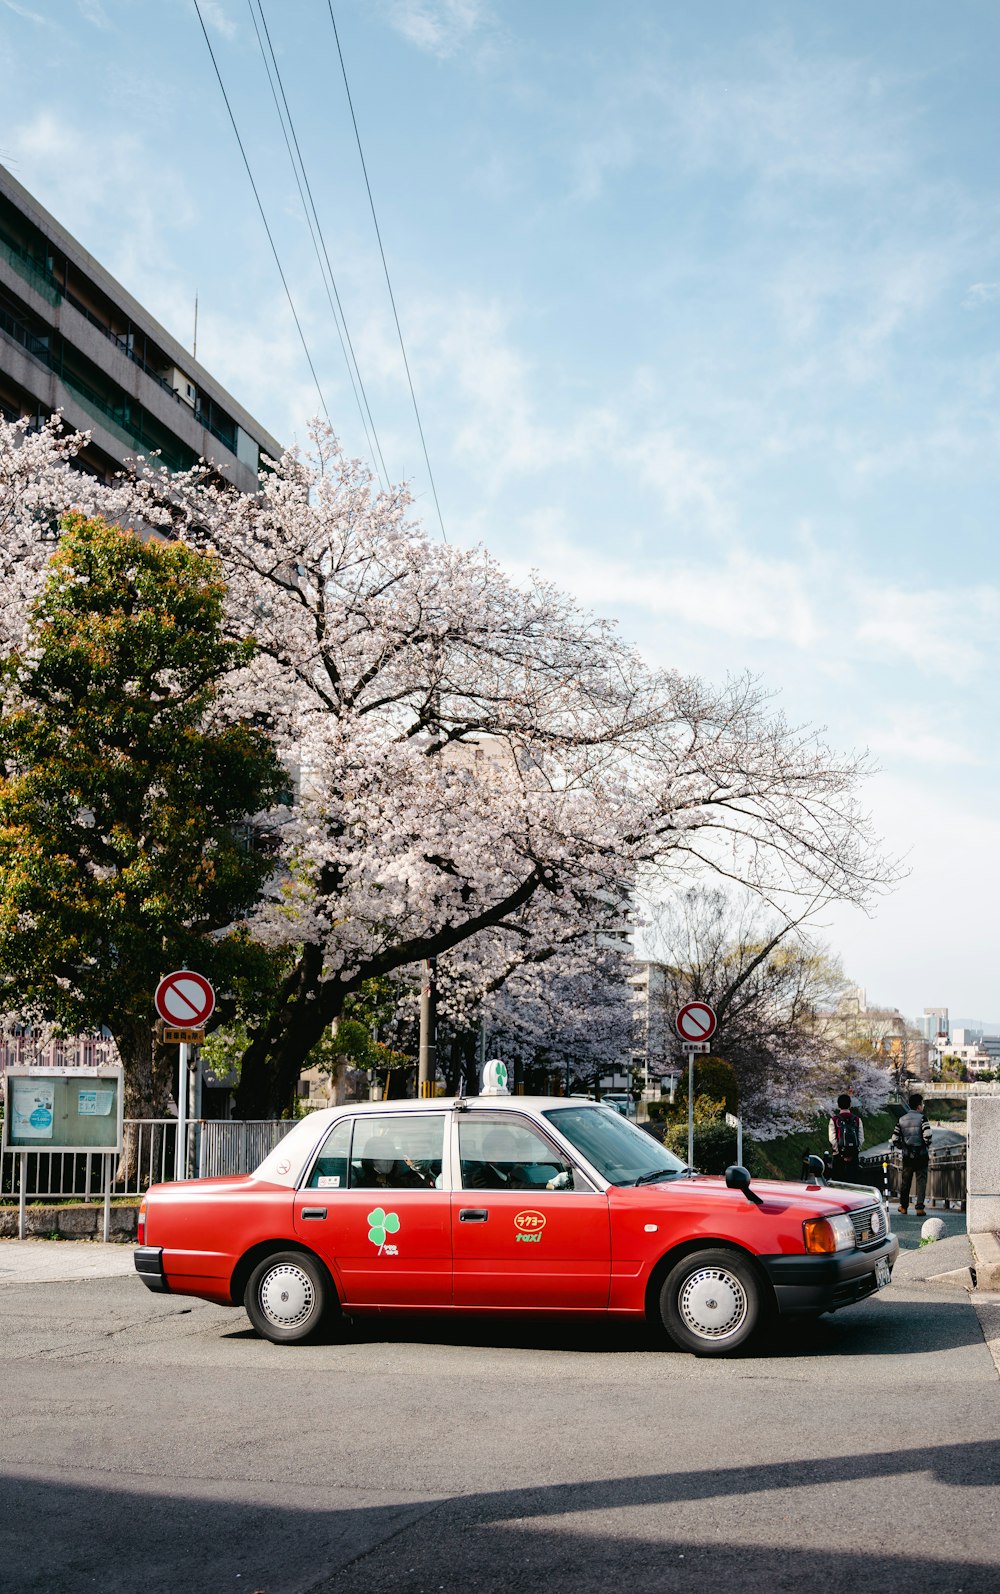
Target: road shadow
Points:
(881, 1327)
(56, 1535)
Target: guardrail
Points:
(946, 1175)
(148, 1157)
(960, 1087)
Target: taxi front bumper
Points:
(811, 1284)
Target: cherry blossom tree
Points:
(463, 746)
(771, 989)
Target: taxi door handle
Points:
(314, 1212)
(472, 1215)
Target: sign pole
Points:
(22, 1219)
(180, 1159)
(184, 1001)
(695, 1023)
(107, 1197)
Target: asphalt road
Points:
(155, 1444)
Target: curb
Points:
(84, 1221)
(986, 1249)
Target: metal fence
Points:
(149, 1157)
(946, 1174)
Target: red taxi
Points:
(508, 1204)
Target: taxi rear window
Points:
(403, 1152)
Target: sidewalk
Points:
(62, 1261)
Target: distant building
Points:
(969, 1047)
(655, 1057)
(72, 339)
(933, 1024)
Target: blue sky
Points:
(702, 305)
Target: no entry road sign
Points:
(184, 999)
(696, 1021)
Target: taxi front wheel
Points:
(287, 1297)
(711, 1302)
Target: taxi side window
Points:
(403, 1153)
(509, 1155)
(330, 1168)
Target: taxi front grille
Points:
(870, 1225)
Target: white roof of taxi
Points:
(436, 1103)
(288, 1156)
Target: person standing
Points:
(847, 1136)
(912, 1136)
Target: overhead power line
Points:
(385, 268)
(318, 240)
(263, 217)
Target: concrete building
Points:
(933, 1024)
(969, 1048)
(656, 1056)
(72, 339)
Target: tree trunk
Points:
(148, 1072)
(272, 1063)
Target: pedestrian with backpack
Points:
(912, 1136)
(847, 1136)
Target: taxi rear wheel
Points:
(287, 1297)
(711, 1302)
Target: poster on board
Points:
(95, 1103)
(32, 1109)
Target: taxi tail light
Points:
(140, 1228)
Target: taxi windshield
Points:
(618, 1150)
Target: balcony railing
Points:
(46, 283)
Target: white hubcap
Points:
(713, 1303)
(286, 1295)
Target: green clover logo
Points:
(380, 1225)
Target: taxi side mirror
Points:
(738, 1178)
(814, 1166)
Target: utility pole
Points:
(427, 1056)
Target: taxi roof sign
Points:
(495, 1078)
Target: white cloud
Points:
(980, 293)
(47, 152)
(599, 158)
(844, 307)
(27, 14)
(789, 115)
(910, 735)
(439, 27)
(690, 484)
(933, 940)
(92, 11)
(816, 604)
(217, 17)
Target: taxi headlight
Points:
(826, 1235)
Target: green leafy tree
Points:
(124, 848)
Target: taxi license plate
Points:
(882, 1275)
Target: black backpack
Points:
(846, 1129)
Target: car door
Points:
(528, 1229)
(374, 1207)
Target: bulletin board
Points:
(62, 1109)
